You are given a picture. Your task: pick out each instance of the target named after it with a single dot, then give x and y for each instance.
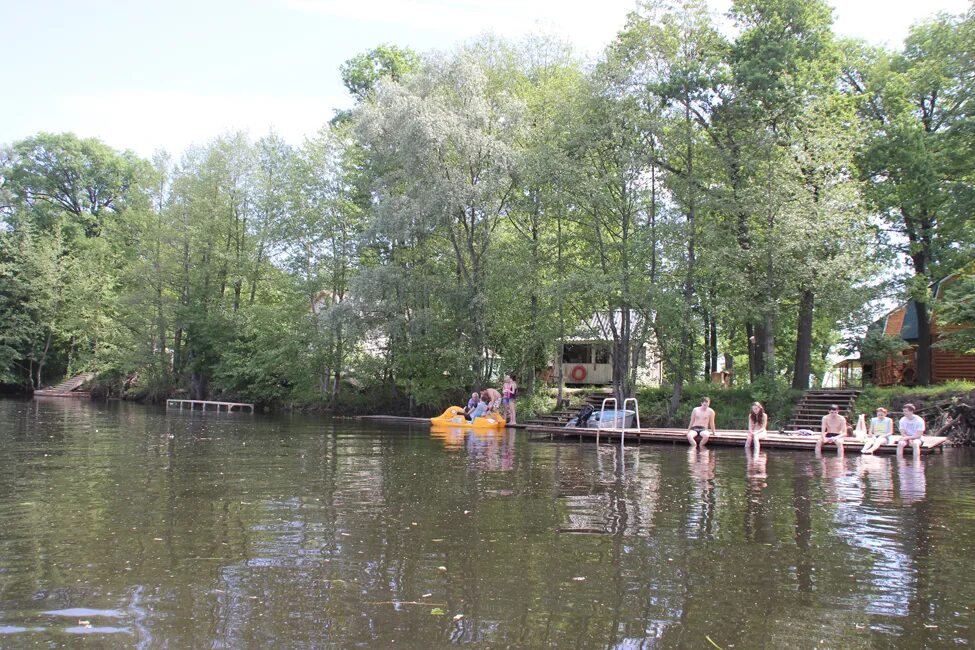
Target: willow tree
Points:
(441, 142)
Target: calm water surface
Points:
(123, 527)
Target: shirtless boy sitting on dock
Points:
(833, 429)
(702, 423)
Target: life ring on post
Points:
(578, 373)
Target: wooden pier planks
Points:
(723, 437)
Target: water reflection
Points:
(701, 467)
(487, 450)
(876, 474)
(188, 531)
(911, 479)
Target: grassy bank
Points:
(731, 405)
(894, 398)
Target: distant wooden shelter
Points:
(848, 373)
(587, 357)
(901, 369)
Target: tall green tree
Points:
(919, 157)
(443, 141)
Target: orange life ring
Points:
(578, 373)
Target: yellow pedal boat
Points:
(454, 417)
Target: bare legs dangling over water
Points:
(702, 423)
(833, 430)
(911, 428)
(757, 427)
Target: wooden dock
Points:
(204, 405)
(723, 437)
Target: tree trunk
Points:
(237, 289)
(685, 343)
(714, 343)
(759, 346)
(708, 363)
(803, 361)
(750, 340)
(922, 360)
(42, 361)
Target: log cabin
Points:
(902, 322)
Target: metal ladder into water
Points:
(616, 409)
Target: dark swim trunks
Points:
(830, 436)
(698, 432)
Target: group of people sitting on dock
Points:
(834, 428)
(490, 400)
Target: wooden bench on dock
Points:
(205, 404)
(726, 437)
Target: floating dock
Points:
(204, 405)
(723, 437)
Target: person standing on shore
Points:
(702, 423)
(911, 427)
(509, 391)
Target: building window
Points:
(602, 353)
(577, 353)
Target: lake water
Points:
(123, 526)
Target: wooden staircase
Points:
(809, 412)
(560, 417)
(68, 388)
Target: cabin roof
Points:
(902, 321)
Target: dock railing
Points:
(203, 404)
(602, 413)
(636, 413)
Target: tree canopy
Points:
(733, 202)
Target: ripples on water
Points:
(133, 528)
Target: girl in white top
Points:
(911, 428)
(757, 426)
(879, 433)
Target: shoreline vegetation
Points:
(743, 203)
(935, 403)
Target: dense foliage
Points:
(736, 202)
